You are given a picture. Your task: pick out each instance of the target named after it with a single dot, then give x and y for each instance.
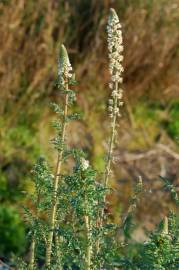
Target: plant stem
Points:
(32, 254)
(111, 146)
(33, 243)
(56, 183)
(111, 143)
(89, 247)
(58, 253)
(108, 162)
(165, 225)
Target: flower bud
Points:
(64, 66)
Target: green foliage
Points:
(169, 187)
(160, 252)
(161, 249)
(149, 114)
(81, 199)
(12, 231)
(173, 124)
(128, 225)
(20, 147)
(21, 137)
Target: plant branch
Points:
(56, 184)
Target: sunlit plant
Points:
(68, 227)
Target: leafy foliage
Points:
(12, 231)
(160, 251)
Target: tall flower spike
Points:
(64, 72)
(115, 49)
(64, 66)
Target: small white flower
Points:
(116, 110)
(119, 95)
(84, 164)
(114, 93)
(111, 102)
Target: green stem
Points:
(58, 253)
(165, 225)
(32, 254)
(55, 187)
(33, 243)
(111, 143)
(89, 247)
(108, 161)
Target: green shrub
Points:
(173, 124)
(160, 251)
(12, 231)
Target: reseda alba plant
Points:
(115, 49)
(64, 72)
(65, 227)
(68, 227)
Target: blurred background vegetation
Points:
(31, 32)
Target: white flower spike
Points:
(64, 66)
(116, 69)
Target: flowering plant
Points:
(69, 228)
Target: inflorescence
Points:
(64, 66)
(116, 69)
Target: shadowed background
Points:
(147, 145)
